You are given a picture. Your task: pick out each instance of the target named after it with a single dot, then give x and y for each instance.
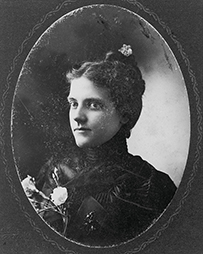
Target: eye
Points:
(94, 105)
(73, 104)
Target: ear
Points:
(124, 119)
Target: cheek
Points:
(70, 117)
(103, 120)
(70, 114)
(109, 122)
(97, 118)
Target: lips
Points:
(82, 129)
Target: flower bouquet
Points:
(52, 208)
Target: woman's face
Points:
(93, 117)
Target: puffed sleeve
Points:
(142, 195)
(157, 187)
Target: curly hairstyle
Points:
(120, 75)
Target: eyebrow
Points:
(98, 100)
(71, 99)
(95, 99)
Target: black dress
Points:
(113, 196)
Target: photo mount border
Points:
(195, 96)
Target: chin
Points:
(85, 144)
(82, 144)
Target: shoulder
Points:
(152, 183)
(145, 170)
(158, 178)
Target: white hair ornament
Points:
(126, 50)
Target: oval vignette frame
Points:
(194, 154)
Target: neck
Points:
(115, 147)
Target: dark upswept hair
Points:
(120, 75)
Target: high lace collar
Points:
(115, 148)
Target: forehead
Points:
(82, 88)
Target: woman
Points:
(111, 195)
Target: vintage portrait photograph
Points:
(100, 126)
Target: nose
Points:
(79, 116)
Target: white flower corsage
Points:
(59, 195)
(29, 186)
(44, 204)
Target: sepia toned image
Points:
(100, 126)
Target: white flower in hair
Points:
(126, 50)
